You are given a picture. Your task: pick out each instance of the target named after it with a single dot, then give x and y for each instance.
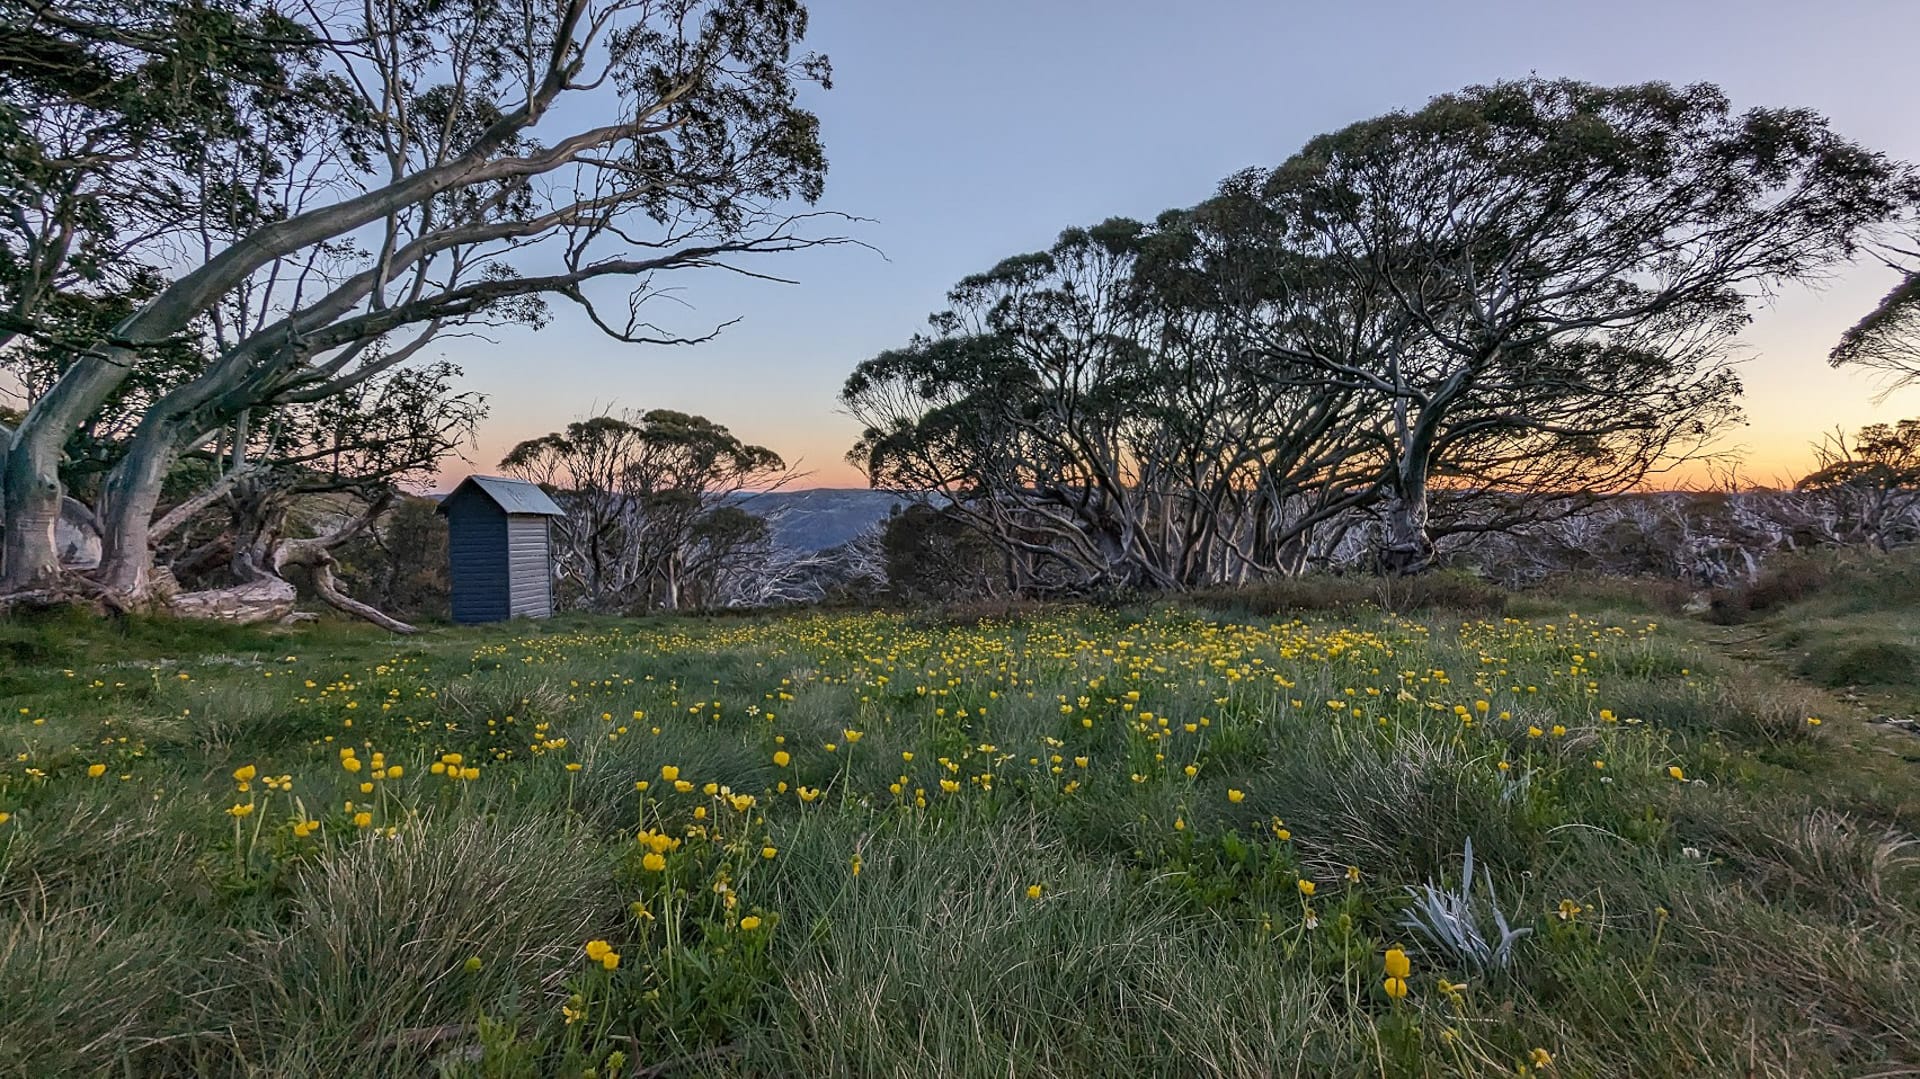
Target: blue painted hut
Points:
(499, 549)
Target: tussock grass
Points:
(1833, 660)
(394, 921)
(1089, 842)
(89, 989)
(936, 962)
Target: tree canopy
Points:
(219, 208)
(651, 516)
(1518, 297)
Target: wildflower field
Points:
(1080, 842)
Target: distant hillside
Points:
(811, 520)
(818, 519)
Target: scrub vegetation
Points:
(1166, 840)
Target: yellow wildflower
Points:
(1398, 966)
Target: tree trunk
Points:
(127, 504)
(265, 599)
(1408, 549)
(671, 597)
(30, 508)
(31, 489)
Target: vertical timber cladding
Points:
(499, 558)
(529, 573)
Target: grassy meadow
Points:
(1152, 841)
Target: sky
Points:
(967, 132)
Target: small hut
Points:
(499, 553)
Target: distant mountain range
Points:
(812, 520)
(821, 518)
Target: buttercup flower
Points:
(1397, 964)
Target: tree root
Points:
(323, 583)
(70, 590)
(314, 555)
(265, 594)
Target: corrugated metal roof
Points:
(513, 496)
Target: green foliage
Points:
(1861, 661)
(1450, 590)
(933, 557)
(1427, 323)
(648, 521)
(399, 564)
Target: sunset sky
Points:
(969, 132)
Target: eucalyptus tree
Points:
(650, 504)
(1518, 298)
(426, 167)
(300, 482)
(1870, 484)
(107, 111)
(1091, 408)
(1298, 450)
(1026, 409)
(1887, 340)
(1563, 267)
